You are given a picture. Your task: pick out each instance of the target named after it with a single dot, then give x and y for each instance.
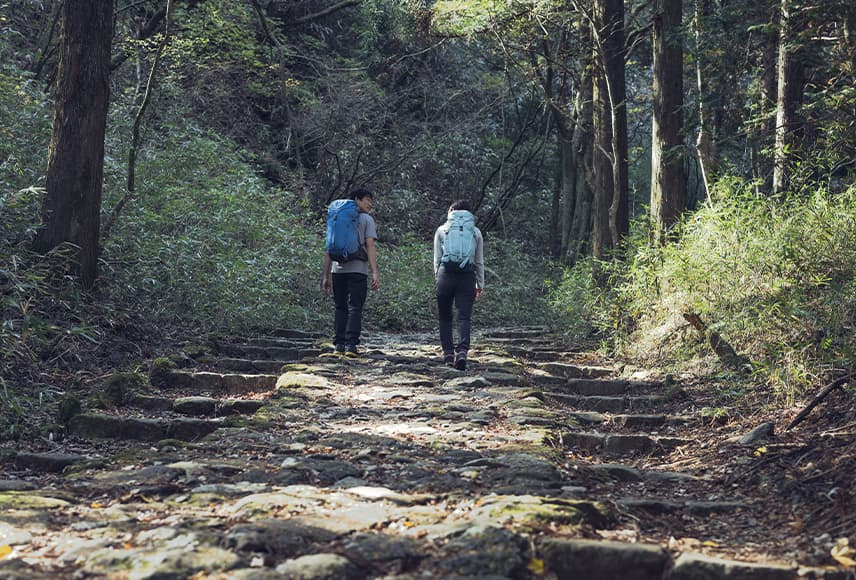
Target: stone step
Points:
(655, 505)
(600, 387)
(302, 334)
(603, 404)
(535, 341)
(203, 381)
(622, 444)
(247, 366)
(196, 406)
(573, 371)
(250, 351)
(648, 422)
(606, 560)
(104, 426)
(281, 342)
(530, 353)
(525, 332)
(621, 472)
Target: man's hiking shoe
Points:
(340, 349)
(461, 363)
(449, 360)
(352, 352)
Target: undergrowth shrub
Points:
(208, 244)
(774, 278)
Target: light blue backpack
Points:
(459, 247)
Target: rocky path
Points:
(275, 458)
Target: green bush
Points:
(207, 243)
(774, 278)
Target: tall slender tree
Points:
(71, 210)
(611, 210)
(789, 73)
(668, 186)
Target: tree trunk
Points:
(790, 78)
(556, 201)
(583, 150)
(568, 181)
(668, 186)
(705, 144)
(611, 211)
(72, 207)
(761, 165)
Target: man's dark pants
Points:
(349, 295)
(456, 289)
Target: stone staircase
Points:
(273, 457)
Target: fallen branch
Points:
(839, 382)
(723, 350)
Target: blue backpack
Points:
(343, 241)
(459, 247)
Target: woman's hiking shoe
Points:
(340, 349)
(461, 363)
(352, 352)
(449, 360)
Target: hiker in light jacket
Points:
(457, 285)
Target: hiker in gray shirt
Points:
(349, 280)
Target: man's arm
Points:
(326, 274)
(370, 250)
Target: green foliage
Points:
(515, 288)
(463, 17)
(382, 22)
(773, 278)
(25, 131)
(405, 300)
(208, 243)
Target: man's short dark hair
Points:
(461, 204)
(360, 193)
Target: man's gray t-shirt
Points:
(365, 229)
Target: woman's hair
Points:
(360, 193)
(461, 204)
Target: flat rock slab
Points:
(691, 566)
(662, 506)
(203, 381)
(603, 560)
(621, 472)
(607, 404)
(259, 352)
(47, 462)
(301, 380)
(95, 425)
(623, 443)
(242, 365)
(571, 371)
(601, 387)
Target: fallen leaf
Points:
(536, 566)
(5, 551)
(843, 553)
